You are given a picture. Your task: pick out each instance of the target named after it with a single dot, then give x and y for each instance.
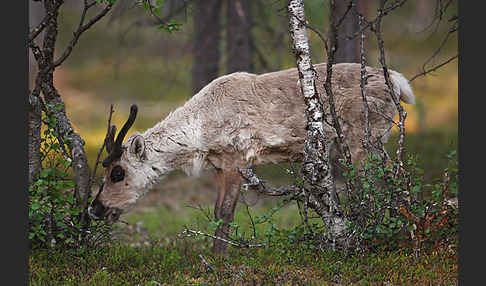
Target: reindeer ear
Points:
(137, 146)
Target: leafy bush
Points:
(54, 213)
(384, 210)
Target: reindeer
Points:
(238, 121)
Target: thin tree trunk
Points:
(207, 28)
(36, 14)
(238, 37)
(63, 126)
(316, 155)
(316, 166)
(34, 127)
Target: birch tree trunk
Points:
(316, 166)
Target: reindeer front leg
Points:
(229, 182)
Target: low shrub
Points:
(55, 215)
(386, 210)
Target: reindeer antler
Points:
(128, 124)
(113, 147)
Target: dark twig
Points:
(206, 213)
(439, 12)
(37, 30)
(251, 220)
(366, 142)
(372, 23)
(85, 215)
(102, 147)
(166, 19)
(402, 114)
(152, 22)
(443, 43)
(425, 72)
(157, 18)
(82, 28)
(348, 8)
(342, 146)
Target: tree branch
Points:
(37, 30)
(102, 147)
(81, 29)
(364, 78)
(372, 23)
(425, 72)
(402, 114)
(257, 184)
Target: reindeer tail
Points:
(402, 87)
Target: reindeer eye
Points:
(117, 174)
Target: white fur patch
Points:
(402, 87)
(197, 164)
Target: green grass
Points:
(157, 256)
(180, 264)
(161, 257)
(431, 149)
(165, 222)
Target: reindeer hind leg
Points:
(230, 182)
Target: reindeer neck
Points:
(176, 141)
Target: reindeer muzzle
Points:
(98, 211)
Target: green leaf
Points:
(44, 173)
(35, 206)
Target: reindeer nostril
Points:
(97, 210)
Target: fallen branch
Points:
(189, 232)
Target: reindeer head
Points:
(123, 180)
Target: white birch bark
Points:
(316, 153)
(316, 166)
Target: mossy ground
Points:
(180, 262)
